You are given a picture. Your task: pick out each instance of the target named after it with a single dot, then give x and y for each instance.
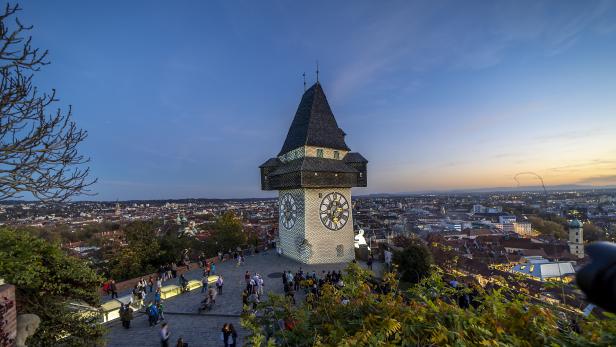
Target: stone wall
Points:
(8, 315)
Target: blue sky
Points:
(186, 99)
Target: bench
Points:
(168, 291)
(193, 284)
(111, 310)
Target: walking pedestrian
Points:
(213, 269)
(151, 283)
(164, 335)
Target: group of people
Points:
(167, 272)
(309, 282)
(110, 288)
(210, 292)
(251, 296)
(155, 312)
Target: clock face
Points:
(288, 211)
(334, 211)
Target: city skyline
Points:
(186, 101)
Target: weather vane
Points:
(317, 71)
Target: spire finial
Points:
(317, 71)
(304, 75)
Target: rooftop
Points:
(314, 124)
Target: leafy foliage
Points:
(425, 315)
(47, 281)
(227, 233)
(594, 233)
(413, 261)
(549, 228)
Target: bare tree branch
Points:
(38, 147)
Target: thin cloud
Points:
(599, 180)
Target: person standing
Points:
(164, 335)
(232, 337)
(159, 307)
(204, 283)
(151, 283)
(114, 289)
(126, 315)
(369, 262)
(174, 270)
(245, 298)
(181, 343)
(183, 283)
(213, 268)
(152, 314)
(157, 296)
(219, 284)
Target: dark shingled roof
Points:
(271, 162)
(314, 124)
(313, 164)
(354, 157)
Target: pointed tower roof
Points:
(314, 124)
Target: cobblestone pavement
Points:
(204, 330)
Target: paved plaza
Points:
(204, 329)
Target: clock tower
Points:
(314, 173)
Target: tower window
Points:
(336, 155)
(320, 152)
(340, 250)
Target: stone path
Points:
(204, 330)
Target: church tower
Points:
(314, 173)
(576, 238)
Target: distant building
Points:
(483, 209)
(542, 269)
(507, 219)
(523, 228)
(576, 238)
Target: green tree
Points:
(594, 233)
(413, 261)
(549, 228)
(227, 233)
(48, 281)
(140, 255)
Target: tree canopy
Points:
(425, 315)
(48, 282)
(413, 260)
(549, 228)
